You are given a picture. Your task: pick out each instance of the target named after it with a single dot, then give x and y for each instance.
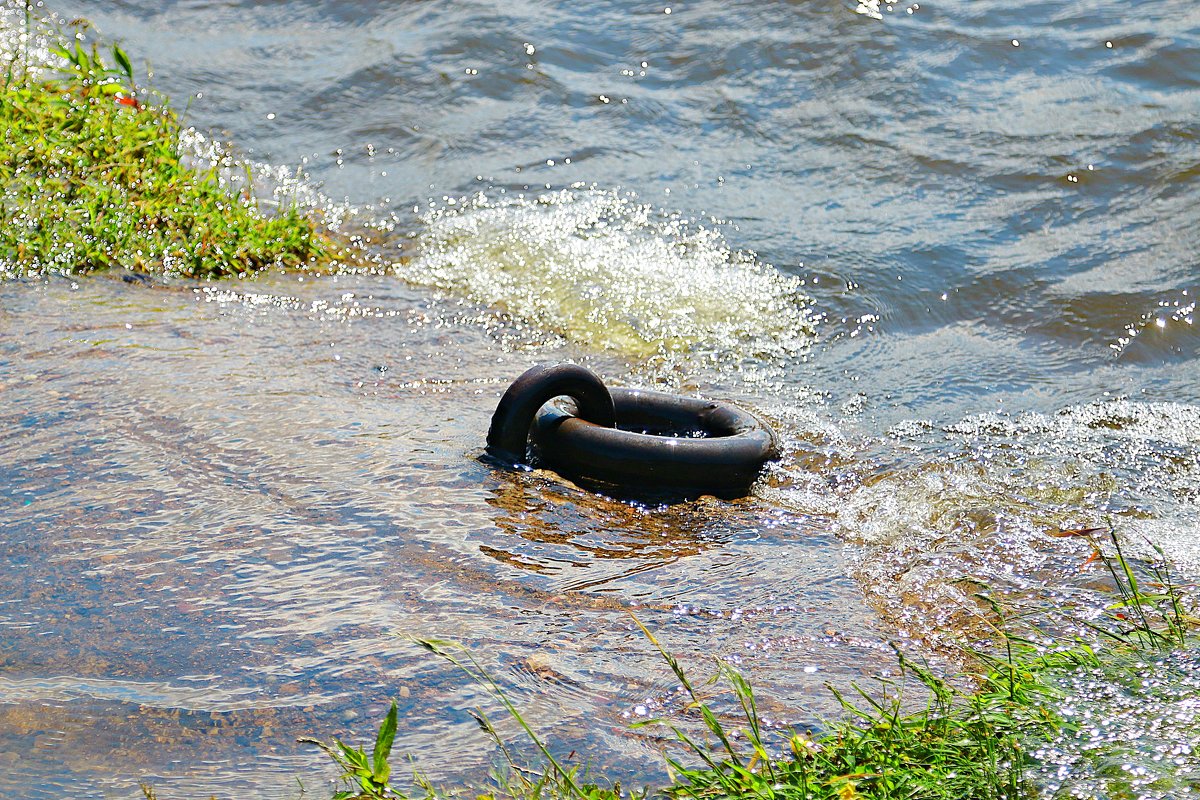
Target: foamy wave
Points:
(602, 269)
(980, 500)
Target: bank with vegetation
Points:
(94, 174)
(978, 735)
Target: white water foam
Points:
(600, 268)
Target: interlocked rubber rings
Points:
(631, 439)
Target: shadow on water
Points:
(586, 540)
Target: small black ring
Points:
(509, 433)
(635, 441)
(662, 442)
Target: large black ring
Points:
(659, 442)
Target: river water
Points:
(948, 248)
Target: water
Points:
(1131, 731)
(950, 254)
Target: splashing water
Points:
(934, 511)
(21, 43)
(1131, 732)
(600, 268)
(271, 186)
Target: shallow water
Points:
(950, 254)
(1132, 731)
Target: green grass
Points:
(958, 745)
(971, 743)
(962, 744)
(92, 177)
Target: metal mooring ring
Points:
(632, 440)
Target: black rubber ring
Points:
(662, 442)
(632, 440)
(509, 432)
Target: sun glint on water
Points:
(598, 267)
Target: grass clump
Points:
(959, 745)
(366, 777)
(92, 176)
(976, 743)
(972, 743)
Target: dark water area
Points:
(950, 253)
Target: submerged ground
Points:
(957, 271)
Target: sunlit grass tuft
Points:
(971, 738)
(92, 177)
(958, 744)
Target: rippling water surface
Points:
(950, 253)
